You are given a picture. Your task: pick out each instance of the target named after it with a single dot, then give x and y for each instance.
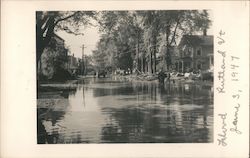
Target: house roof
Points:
(57, 36)
(207, 40)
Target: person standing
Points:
(168, 77)
(161, 77)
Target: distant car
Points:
(102, 73)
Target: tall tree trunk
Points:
(154, 62)
(45, 30)
(138, 50)
(142, 63)
(168, 58)
(154, 53)
(167, 55)
(42, 42)
(137, 58)
(151, 62)
(149, 59)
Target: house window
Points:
(198, 51)
(189, 51)
(199, 65)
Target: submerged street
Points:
(111, 110)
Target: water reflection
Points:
(113, 111)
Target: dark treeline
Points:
(141, 40)
(130, 40)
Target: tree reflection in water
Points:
(47, 127)
(113, 111)
(48, 117)
(167, 122)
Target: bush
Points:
(42, 77)
(62, 75)
(208, 76)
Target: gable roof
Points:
(58, 37)
(197, 40)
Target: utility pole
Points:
(83, 67)
(82, 64)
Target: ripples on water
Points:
(111, 111)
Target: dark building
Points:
(195, 53)
(73, 64)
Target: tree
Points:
(122, 35)
(125, 32)
(49, 21)
(151, 23)
(175, 23)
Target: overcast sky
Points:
(90, 39)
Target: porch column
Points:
(210, 61)
(182, 66)
(179, 64)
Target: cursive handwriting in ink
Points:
(235, 68)
(223, 135)
(221, 73)
(235, 122)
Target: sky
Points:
(90, 38)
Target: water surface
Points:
(115, 111)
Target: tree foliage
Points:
(119, 37)
(128, 37)
(129, 34)
(49, 21)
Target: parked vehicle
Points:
(102, 73)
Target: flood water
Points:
(109, 110)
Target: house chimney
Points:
(204, 32)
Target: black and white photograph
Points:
(124, 79)
(130, 76)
